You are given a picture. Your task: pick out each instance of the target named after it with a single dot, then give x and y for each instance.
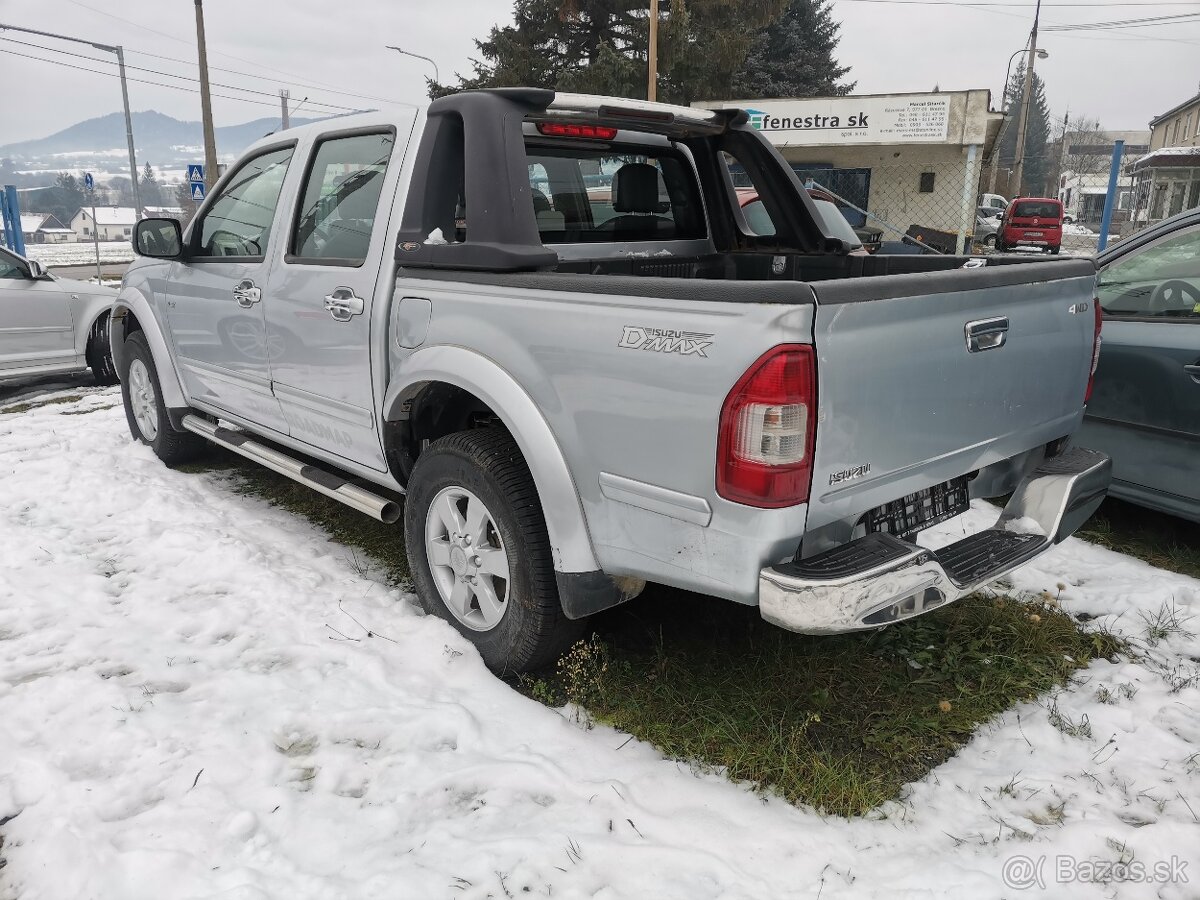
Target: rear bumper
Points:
(879, 579)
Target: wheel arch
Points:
(483, 380)
(132, 312)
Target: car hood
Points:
(84, 287)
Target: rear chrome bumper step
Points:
(880, 579)
(320, 480)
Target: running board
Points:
(335, 486)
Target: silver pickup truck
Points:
(542, 322)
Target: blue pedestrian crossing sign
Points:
(88, 181)
(195, 172)
(197, 190)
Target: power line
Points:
(1127, 23)
(163, 75)
(176, 87)
(258, 65)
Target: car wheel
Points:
(99, 352)
(1054, 250)
(479, 553)
(989, 242)
(144, 409)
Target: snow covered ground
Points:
(180, 719)
(80, 254)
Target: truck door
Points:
(322, 292)
(214, 297)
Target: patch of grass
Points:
(841, 723)
(1167, 542)
(379, 543)
(36, 404)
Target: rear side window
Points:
(1044, 209)
(238, 223)
(591, 195)
(341, 199)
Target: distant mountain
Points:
(161, 140)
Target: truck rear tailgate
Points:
(924, 378)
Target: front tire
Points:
(99, 352)
(144, 409)
(479, 552)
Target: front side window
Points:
(590, 195)
(238, 224)
(341, 198)
(11, 266)
(1161, 280)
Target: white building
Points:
(40, 228)
(1083, 184)
(911, 161)
(113, 223)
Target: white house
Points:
(40, 228)
(113, 223)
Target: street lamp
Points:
(120, 53)
(1041, 54)
(436, 76)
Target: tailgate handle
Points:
(986, 334)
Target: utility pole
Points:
(652, 75)
(210, 140)
(1023, 124)
(120, 53)
(283, 102)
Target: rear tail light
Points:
(768, 424)
(1095, 349)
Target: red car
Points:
(1031, 222)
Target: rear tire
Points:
(1054, 251)
(479, 553)
(99, 352)
(144, 409)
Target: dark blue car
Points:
(1145, 409)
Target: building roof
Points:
(1169, 157)
(112, 215)
(163, 212)
(1174, 109)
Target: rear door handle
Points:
(246, 294)
(986, 334)
(1194, 371)
(343, 305)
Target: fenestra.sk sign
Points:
(917, 119)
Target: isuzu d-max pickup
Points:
(538, 326)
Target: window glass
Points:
(835, 224)
(11, 266)
(1162, 280)
(238, 223)
(589, 195)
(758, 219)
(1044, 209)
(341, 198)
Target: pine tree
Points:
(793, 57)
(149, 190)
(600, 46)
(1037, 134)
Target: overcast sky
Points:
(317, 47)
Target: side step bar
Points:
(335, 486)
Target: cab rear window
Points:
(618, 194)
(1040, 209)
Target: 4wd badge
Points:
(664, 340)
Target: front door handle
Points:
(986, 334)
(1194, 371)
(246, 294)
(343, 305)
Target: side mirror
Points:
(37, 271)
(159, 238)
